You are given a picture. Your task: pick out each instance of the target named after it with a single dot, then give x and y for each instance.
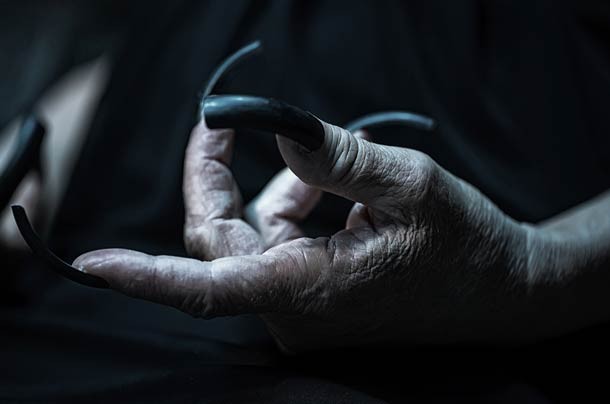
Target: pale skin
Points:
(424, 256)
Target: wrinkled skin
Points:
(424, 257)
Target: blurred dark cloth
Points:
(520, 91)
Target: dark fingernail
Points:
(266, 114)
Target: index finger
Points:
(213, 205)
(209, 187)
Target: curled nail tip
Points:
(228, 64)
(257, 113)
(46, 255)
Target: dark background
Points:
(520, 90)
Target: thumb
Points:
(382, 177)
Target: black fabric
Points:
(519, 89)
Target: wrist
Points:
(543, 247)
(562, 292)
(555, 256)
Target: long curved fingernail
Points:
(55, 263)
(266, 114)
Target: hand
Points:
(424, 257)
(214, 227)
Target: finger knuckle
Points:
(347, 161)
(342, 160)
(421, 179)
